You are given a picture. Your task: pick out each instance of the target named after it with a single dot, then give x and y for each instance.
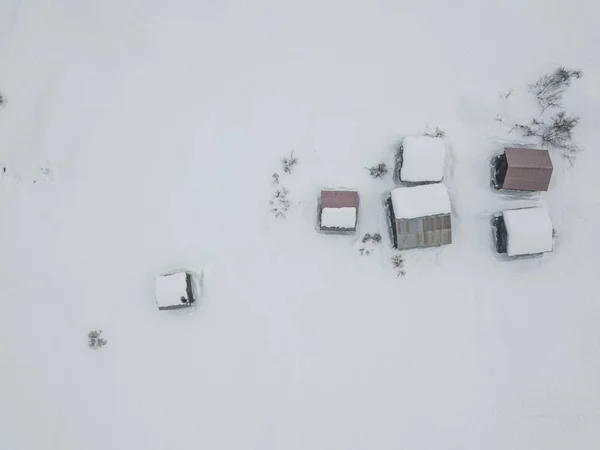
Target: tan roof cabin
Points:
(523, 169)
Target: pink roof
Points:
(339, 199)
(528, 158)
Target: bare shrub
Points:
(557, 133)
(549, 88)
(2, 99)
(289, 162)
(275, 178)
(95, 341)
(378, 171)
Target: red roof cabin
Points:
(338, 211)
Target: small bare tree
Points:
(549, 88)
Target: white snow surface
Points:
(170, 288)
(423, 159)
(158, 126)
(529, 231)
(420, 201)
(338, 217)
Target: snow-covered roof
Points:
(420, 201)
(170, 288)
(423, 159)
(338, 218)
(529, 231)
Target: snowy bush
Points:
(2, 99)
(398, 264)
(289, 162)
(558, 132)
(438, 132)
(369, 241)
(280, 204)
(275, 178)
(378, 171)
(549, 89)
(94, 340)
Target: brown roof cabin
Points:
(522, 169)
(338, 211)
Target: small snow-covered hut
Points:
(422, 159)
(176, 290)
(338, 211)
(420, 216)
(522, 169)
(525, 231)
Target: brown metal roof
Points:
(528, 158)
(339, 199)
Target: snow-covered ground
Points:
(140, 137)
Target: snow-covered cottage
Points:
(176, 290)
(421, 160)
(523, 169)
(338, 211)
(420, 216)
(525, 231)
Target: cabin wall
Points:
(421, 232)
(527, 179)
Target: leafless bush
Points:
(549, 88)
(289, 162)
(558, 133)
(275, 178)
(398, 264)
(95, 341)
(378, 171)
